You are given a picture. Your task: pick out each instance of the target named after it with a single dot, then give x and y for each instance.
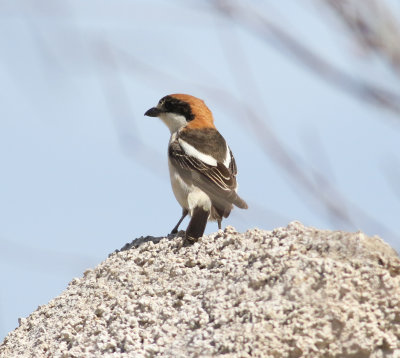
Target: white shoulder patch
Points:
(227, 160)
(193, 152)
(173, 137)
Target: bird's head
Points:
(180, 110)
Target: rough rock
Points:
(290, 292)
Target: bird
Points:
(201, 165)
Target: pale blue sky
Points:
(83, 171)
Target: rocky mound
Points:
(290, 292)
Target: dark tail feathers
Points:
(240, 203)
(197, 224)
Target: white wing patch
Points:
(193, 152)
(227, 160)
(173, 138)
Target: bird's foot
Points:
(176, 233)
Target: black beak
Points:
(153, 112)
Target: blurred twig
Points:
(372, 25)
(266, 30)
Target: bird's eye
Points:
(161, 101)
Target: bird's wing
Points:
(232, 163)
(217, 181)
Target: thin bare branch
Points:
(372, 25)
(265, 29)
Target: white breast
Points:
(188, 195)
(179, 187)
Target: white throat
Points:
(173, 121)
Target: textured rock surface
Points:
(290, 292)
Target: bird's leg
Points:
(219, 224)
(175, 229)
